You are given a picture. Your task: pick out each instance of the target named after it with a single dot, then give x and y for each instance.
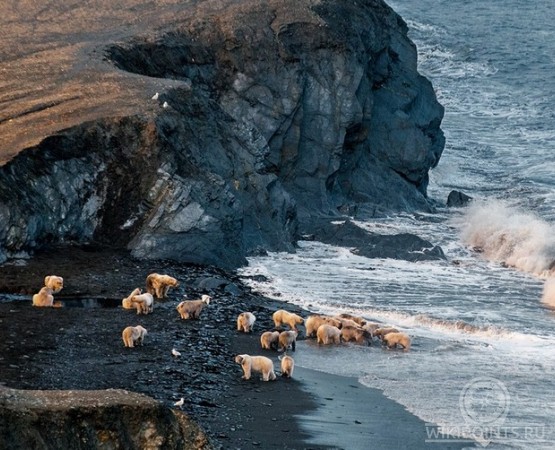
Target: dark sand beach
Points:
(78, 346)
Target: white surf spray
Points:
(548, 295)
(509, 235)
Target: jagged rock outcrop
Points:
(269, 115)
(109, 419)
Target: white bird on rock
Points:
(165, 105)
(175, 353)
(155, 96)
(180, 402)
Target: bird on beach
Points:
(180, 402)
(155, 96)
(165, 105)
(175, 353)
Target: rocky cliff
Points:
(269, 115)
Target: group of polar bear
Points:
(327, 330)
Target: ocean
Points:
(482, 363)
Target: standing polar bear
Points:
(245, 322)
(269, 340)
(54, 282)
(159, 285)
(287, 339)
(328, 334)
(143, 303)
(191, 309)
(256, 364)
(314, 321)
(44, 297)
(394, 339)
(133, 335)
(285, 317)
(287, 365)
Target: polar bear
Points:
(54, 282)
(146, 302)
(287, 365)
(371, 327)
(357, 319)
(129, 302)
(191, 309)
(133, 335)
(381, 332)
(287, 339)
(159, 285)
(285, 317)
(256, 364)
(245, 322)
(356, 334)
(314, 321)
(394, 339)
(346, 322)
(328, 334)
(269, 340)
(44, 297)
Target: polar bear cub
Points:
(44, 297)
(133, 335)
(328, 334)
(285, 317)
(287, 365)
(256, 364)
(54, 282)
(159, 285)
(245, 322)
(191, 309)
(394, 339)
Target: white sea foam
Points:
(548, 295)
(509, 235)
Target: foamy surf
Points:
(509, 235)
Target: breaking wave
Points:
(508, 235)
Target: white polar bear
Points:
(133, 335)
(44, 297)
(256, 364)
(191, 309)
(287, 365)
(245, 322)
(159, 285)
(269, 340)
(394, 339)
(54, 282)
(328, 334)
(285, 317)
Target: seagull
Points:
(180, 402)
(165, 105)
(175, 352)
(155, 96)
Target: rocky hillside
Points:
(269, 116)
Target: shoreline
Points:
(36, 345)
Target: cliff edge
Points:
(202, 131)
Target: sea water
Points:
(482, 364)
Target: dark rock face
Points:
(398, 246)
(316, 110)
(458, 199)
(91, 420)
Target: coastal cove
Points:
(78, 347)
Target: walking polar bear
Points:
(269, 340)
(287, 365)
(287, 339)
(245, 322)
(133, 335)
(191, 309)
(328, 334)
(285, 317)
(54, 282)
(159, 285)
(356, 334)
(44, 297)
(256, 364)
(394, 339)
